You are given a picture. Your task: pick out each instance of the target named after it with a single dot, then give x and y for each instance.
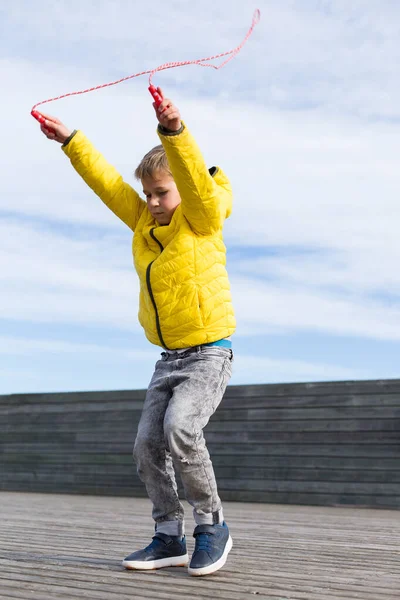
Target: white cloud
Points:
(301, 180)
(304, 121)
(262, 307)
(257, 369)
(50, 278)
(13, 346)
(355, 273)
(263, 369)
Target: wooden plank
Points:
(304, 425)
(236, 448)
(81, 406)
(297, 463)
(70, 547)
(129, 423)
(236, 435)
(343, 435)
(366, 387)
(295, 407)
(115, 405)
(334, 398)
(325, 413)
(249, 496)
(315, 388)
(73, 397)
(61, 480)
(310, 498)
(116, 473)
(294, 438)
(74, 419)
(290, 450)
(81, 439)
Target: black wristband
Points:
(164, 131)
(69, 138)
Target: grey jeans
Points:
(184, 392)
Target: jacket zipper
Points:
(151, 291)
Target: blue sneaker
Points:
(213, 544)
(164, 551)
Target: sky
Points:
(305, 121)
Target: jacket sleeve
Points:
(204, 202)
(104, 179)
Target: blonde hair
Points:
(155, 160)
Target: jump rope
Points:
(201, 62)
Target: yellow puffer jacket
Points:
(185, 295)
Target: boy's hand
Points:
(53, 129)
(167, 113)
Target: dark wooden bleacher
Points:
(319, 443)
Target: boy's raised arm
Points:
(205, 203)
(99, 175)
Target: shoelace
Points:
(203, 541)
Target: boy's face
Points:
(162, 196)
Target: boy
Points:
(185, 307)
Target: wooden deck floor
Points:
(67, 547)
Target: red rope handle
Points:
(202, 62)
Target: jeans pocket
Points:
(225, 375)
(228, 366)
(211, 359)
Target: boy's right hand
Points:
(53, 129)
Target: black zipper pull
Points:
(155, 239)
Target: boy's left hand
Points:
(167, 113)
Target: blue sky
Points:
(305, 121)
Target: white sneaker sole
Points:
(172, 561)
(215, 566)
